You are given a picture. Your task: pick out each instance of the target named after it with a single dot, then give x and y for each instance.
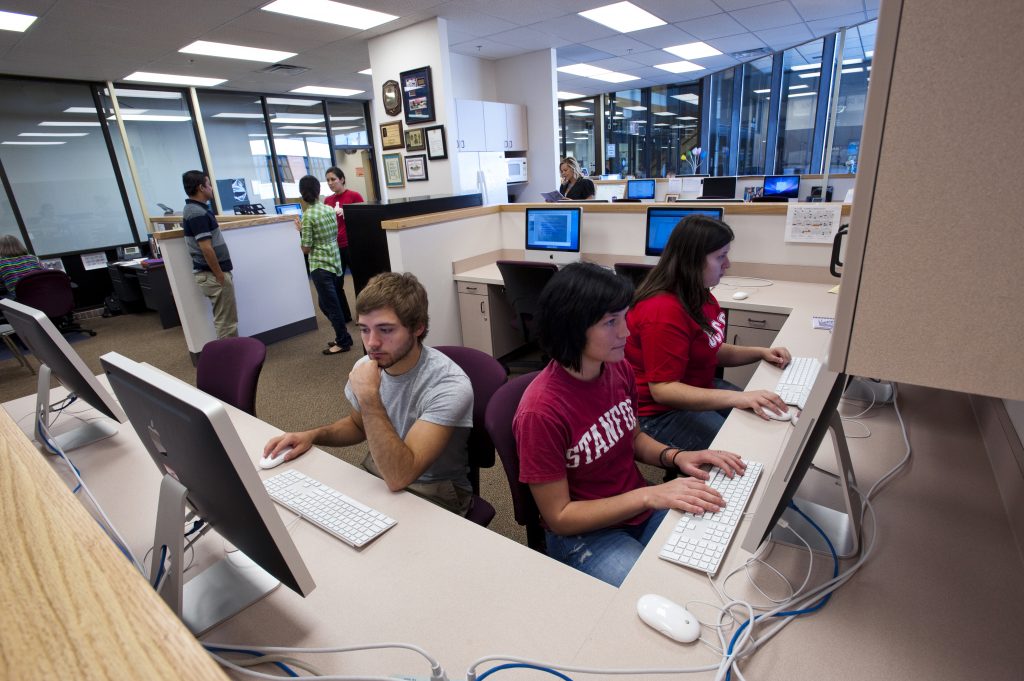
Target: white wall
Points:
(423, 44)
(474, 78)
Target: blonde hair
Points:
(11, 247)
(574, 166)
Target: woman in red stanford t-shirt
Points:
(677, 340)
(577, 436)
(341, 196)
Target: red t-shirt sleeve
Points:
(538, 438)
(665, 332)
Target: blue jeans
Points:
(327, 298)
(688, 430)
(606, 554)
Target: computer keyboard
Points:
(700, 541)
(344, 517)
(797, 378)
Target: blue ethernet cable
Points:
(522, 665)
(214, 649)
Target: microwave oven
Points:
(516, 169)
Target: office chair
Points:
(523, 282)
(49, 291)
(498, 420)
(487, 375)
(229, 369)
(633, 271)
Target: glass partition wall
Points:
(854, 77)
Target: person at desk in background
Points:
(341, 196)
(574, 186)
(677, 340)
(410, 403)
(577, 436)
(211, 261)
(15, 262)
(319, 240)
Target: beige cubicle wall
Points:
(434, 247)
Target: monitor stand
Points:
(85, 434)
(221, 591)
(842, 527)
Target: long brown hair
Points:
(680, 270)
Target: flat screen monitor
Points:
(661, 222)
(719, 188)
(782, 186)
(193, 443)
(640, 189)
(818, 415)
(57, 357)
(288, 209)
(553, 234)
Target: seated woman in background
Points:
(15, 262)
(574, 185)
(577, 436)
(677, 340)
(341, 196)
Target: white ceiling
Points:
(108, 39)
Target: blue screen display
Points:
(553, 229)
(640, 189)
(661, 222)
(288, 209)
(782, 185)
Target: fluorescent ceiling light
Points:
(211, 49)
(870, 54)
(856, 69)
(693, 50)
(52, 134)
(335, 128)
(660, 125)
(12, 21)
(337, 13)
(568, 95)
(664, 113)
(810, 75)
(322, 133)
(583, 114)
(796, 87)
(802, 94)
(623, 17)
(848, 62)
(326, 91)
(302, 127)
(366, 72)
(686, 118)
(257, 134)
(70, 124)
(143, 94)
(575, 107)
(92, 110)
(805, 67)
(346, 118)
(614, 77)
(679, 67)
(635, 107)
(319, 120)
(290, 102)
(171, 79)
(153, 118)
(585, 70)
(689, 97)
(762, 92)
(237, 115)
(34, 144)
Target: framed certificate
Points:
(417, 96)
(437, 148)
(414, 140)
(416, 168)
(393, 176)
(391, 135)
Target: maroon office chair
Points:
(49, 291)
(498, 421)
(635, 272)
(229, 369)
(486, 375)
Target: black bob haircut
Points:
(575, 299)
(192, 180)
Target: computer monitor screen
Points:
(640, 189)
(795, 461)
(783, 186)
(57, 357)
(719, 188)
(190, 438)
(661, 222)
(288, 209)
(553, 233)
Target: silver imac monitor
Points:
(841, 520)
(193, 443)
(58, 359)
(553, 234)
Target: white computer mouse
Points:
(784, 416)
(267, 462)
(668, 617)
(740, 295)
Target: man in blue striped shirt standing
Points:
(211, 262)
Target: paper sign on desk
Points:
(692, 184)
(812, 222)
(94, 261)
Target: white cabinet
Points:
(488, 322)
(490, 126)
(756, 329)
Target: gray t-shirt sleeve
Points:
(449, 401)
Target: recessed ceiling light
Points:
(211, 49)
(33, 144)
(12, 21)
(237, 115)
(92, 110)
(575, 107)
(850, 62)
(297, 119)
(614, 77)
(337, 13)
(802, 94)
(326, 91)
(686, 118)
(856, 69)
(810, 75)
(805, 67)
(581, 114)
(636, 107)
(762, 92)
(291, 102)
(693, 50)
(366, 72)
(869, 54)
(336, 128)
(679, 67)
(52, 134)
(171, 79)
(70, 124)
(322, 133)
(798, 87)
(153, 118)
(689, 97)
(346, 118)
(568, 95)
(660, 125)
(585, 70)
(623, 17)
(144, 94)
(664, 113)
(302, 127)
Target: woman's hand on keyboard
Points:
(685, 494)
(780, 357)
(689, 463)
(759, 401)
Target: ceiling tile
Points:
(661, 37)
(782, 38)
(575, 29)
(810, 10)
(527, 39)
(772, 15)
(823, 26)
(673, 11)
(714, 26)
(580, 54)
(618, 45)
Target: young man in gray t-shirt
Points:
(411, 403)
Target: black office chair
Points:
(523, 283)
(635, 272)
(49, 291)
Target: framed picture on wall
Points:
(414, 140)
(416, 168)
(437, 148)
(393, 176)
(391, 135)
(391, 96)
(417, 96)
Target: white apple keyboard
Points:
(700, 541)
(797, 378)
(327, 508)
